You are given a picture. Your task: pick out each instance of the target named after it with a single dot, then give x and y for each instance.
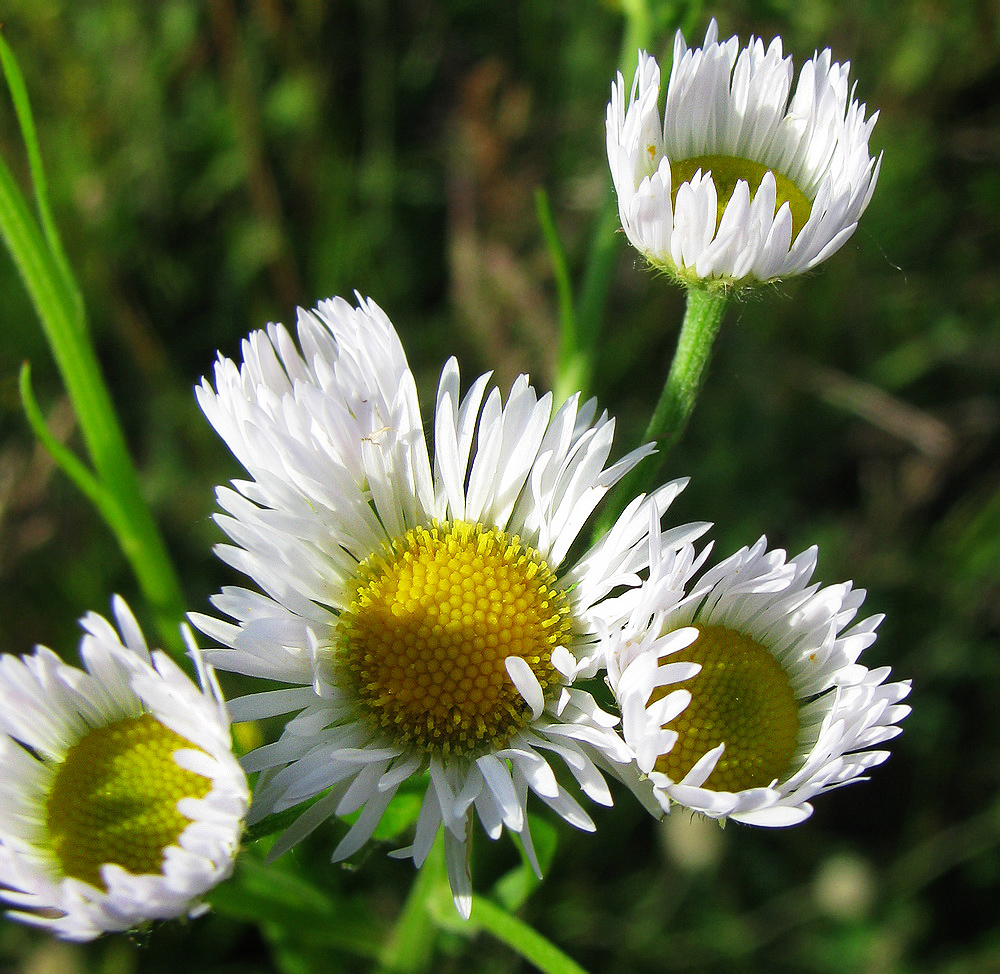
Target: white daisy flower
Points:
(741, 181)
(745, 698)
(120, 799)
(427, 617)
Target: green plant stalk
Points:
(571, 365)
(702, 318)
(490, 918)
(71, 464)
(580, 321)
(50, 285)
(578, 371)
(638, 27)
(530, 944)
(430, 908)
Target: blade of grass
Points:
(26, 121)
(515, 933)
(573, 366)
(67, 460)
(49, 282)
(527, 941)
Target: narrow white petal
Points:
(527, 684)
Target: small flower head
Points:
(121, 799)
(745, 698)
(742, 181)
(425, 614)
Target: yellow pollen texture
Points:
(742, 698)
(114, 799)
(430, 624)
(728, 170)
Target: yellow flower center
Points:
(727, 171)
(432, 620)
(741, 698)
(114, 799)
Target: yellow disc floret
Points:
(114, 799)
(727, 171)
(741, 698)
(432, 620)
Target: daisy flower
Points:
(744, 698)
(741, 181)
(120, 799)
(426, 615)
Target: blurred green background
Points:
(214, 163)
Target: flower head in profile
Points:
(741, 180)
(426, 614)
(120, 799)
(741, 692)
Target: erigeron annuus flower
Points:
(741, 181)
(426, 615)
(741, 692)
(120, 799)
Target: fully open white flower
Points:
(741, 180)
(741, 692)
(426, 616)
(120, 799)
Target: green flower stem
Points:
(530, 944)
(572, 366)
(488, 917)
(39, 258)
(638, 30)
(411, 948)
(702, 318)
(580, 322)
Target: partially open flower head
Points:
(741, 692)
(426, 615)
(741, 181)
(120, 799)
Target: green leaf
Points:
(26, 121)
(277, 822)
(400, 815)
(32, 257)
(68, 461)
(39, 258)
(516, 934)
(292, 909)
(573, 360)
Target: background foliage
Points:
(215, 163)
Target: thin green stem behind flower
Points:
(702, 318)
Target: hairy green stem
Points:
(702, 318)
